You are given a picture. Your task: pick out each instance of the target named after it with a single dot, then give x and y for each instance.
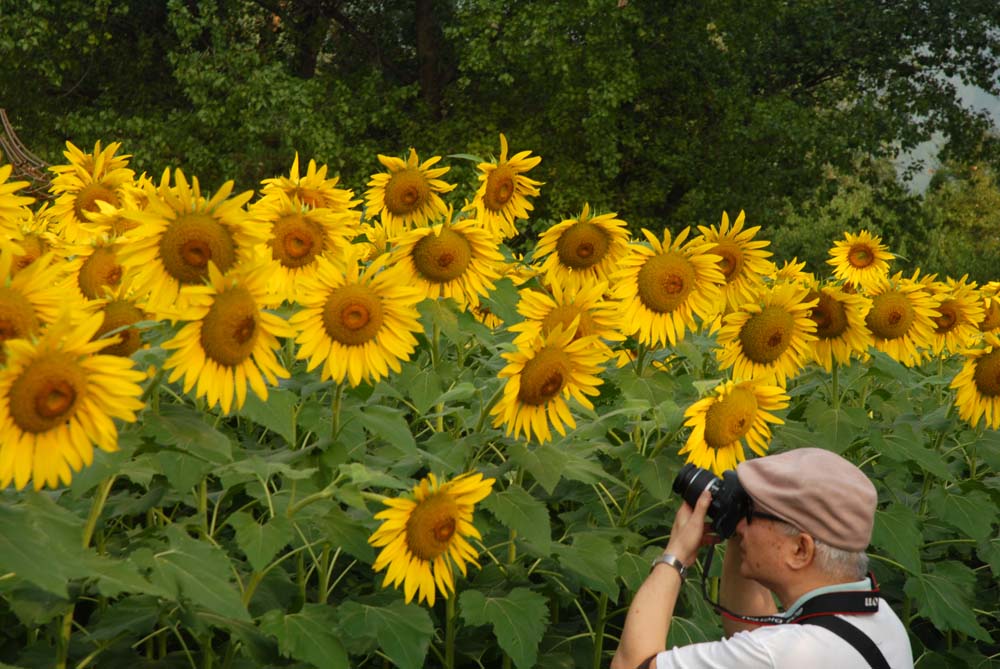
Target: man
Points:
(811, 521)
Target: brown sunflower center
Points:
(17, 316)
(406, 191)
(950, 315)
(665, 281)
(229, 329)
(444, 257)
(766, 335)
(987, 374)
(86, 200)
(732, 259)
(99, 270)
(45, 394)
(730, 418)
(829, 315)
(296, 241)
(500, 186)
(991, 318)
(34, 247)
(563, 315)
(310, 197)
(544, 376)
(118, 314)
(861, 256)
(891, 315)
(431, 525)
(353, 314)
(190, 242)
(582, 245)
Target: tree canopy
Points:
(668, 113)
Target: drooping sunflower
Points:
(991, 307)
(977, 384)
(424, 538)
(587, 306)
(841, 332)
(87, 179)
(299, 236)
(58, 397)
(541, 375)
(457, 260)
(503, 195)
(791, 270)
(737, 414)
(664, 286)
(743, 260)
(357, 322)
(32, 298)
(228, 340)
(181, 233)
(32, 235)
(861, 260)
(408, 195)
(94, 268)
(960, 310)
(120, 313)
(314, 190)
(902, 318)
(582, 251)
(769, 338)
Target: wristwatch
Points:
(673, 561)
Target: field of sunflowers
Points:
(341, 430)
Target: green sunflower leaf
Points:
(897, 533)
(277, 414)
(260, 541)
(519, 620)
(308, 635)
(524, 514)
(183, 427)
(403, 631)
(544, 462)
(389, 424)
(592, 558)
(973, 511)
(944, 596)
(904, 445)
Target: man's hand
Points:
(688, 532)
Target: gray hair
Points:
(835, 562)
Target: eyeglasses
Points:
(752, 513)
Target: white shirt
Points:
(798, 646)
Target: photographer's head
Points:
(811, 517)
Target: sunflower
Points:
(860, 259)
(12, 206)
(32, 235)
(375, 240)
(769, 338)
(977, 384)
(424, 538)
(594, 314)
(120, 314)
(408, 195)
(664, 285)
(180, 233)
(743, 260)
(299, 236)
(357, 322)
(94, 268)
(313, 191)
(89, 178)
(902, 318)
(31, 298)
(582, 251)
(457, 260)
(541, 374)
(228, 340)
(502, 197)
(791, 270)
(840, 325)
(961, 311)
(991, 307)
(721, 423)
(58, 397)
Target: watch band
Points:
(673, 561)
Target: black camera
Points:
(730, 501)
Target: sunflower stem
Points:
(602, 612)
(834, 386)
(449, 632)
(337, 399)
(96, 507)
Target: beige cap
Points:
(817, 491)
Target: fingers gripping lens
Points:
(730, 502)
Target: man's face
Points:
(762, 545)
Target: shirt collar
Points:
(863, 584)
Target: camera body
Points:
(730, 502)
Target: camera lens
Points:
(691, 481)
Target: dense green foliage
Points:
(668, 114)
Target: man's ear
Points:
(802, 552)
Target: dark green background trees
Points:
(666, 112)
